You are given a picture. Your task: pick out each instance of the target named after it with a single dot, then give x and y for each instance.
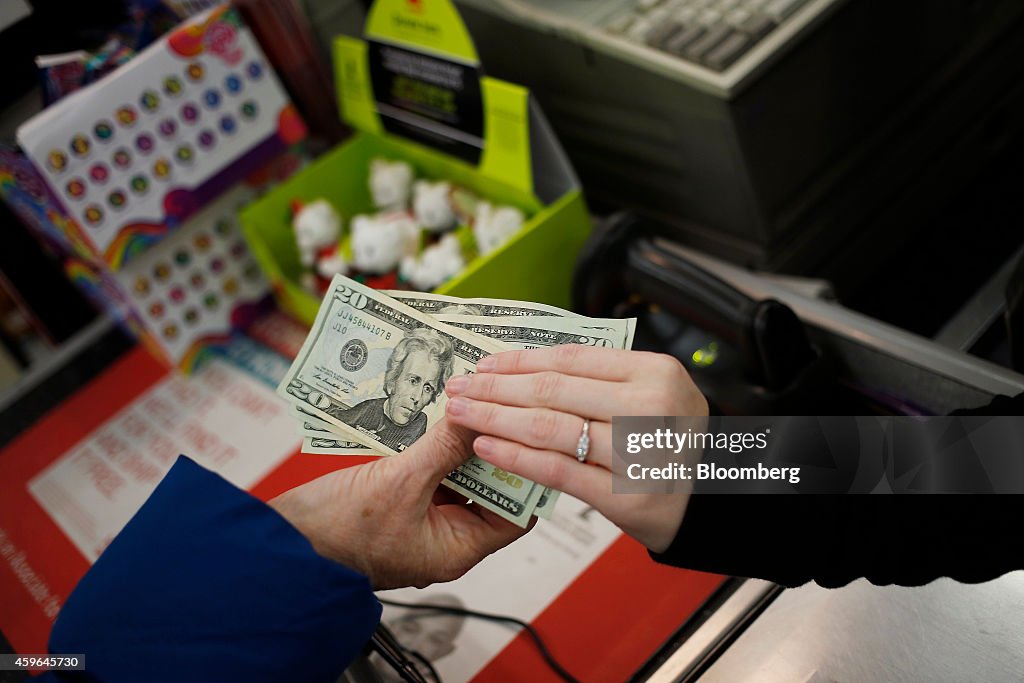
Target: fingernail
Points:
(457, 384)
(483, 445)
(485, 364)
(458, 406)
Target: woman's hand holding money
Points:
(389, 520)
(530, 408)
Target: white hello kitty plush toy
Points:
(317, 229)
(494, 226)
(380, 242)
(390, 184)
(435, 265)
(432, 206)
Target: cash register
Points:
(791, 135)
(802, 136)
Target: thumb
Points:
(440, 450)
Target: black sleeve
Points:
(889, 539)
(833, 539)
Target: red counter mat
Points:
(602, 627)
(39, 565)
(606, 624)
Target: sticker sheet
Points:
(200, 283)
(138, 152)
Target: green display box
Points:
(535, 265)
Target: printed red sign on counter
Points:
(602, 627)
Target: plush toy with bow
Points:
(380, 242)
(317, 231)
(435, 265)
(494, 226)
(432, 206)
(390, 184)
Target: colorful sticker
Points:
(203, 242)
(190, 112)
(162, 168)
(139, 184)
(126, 115)
(156, 309)
(173, 86)
(187, 40)
(238, 249)
(249, 109)
(149, 101)
(210, 301)
(233, 84)
(211, 98)
(56, 160)
(197, 280)
(254, 70)
(194, 72)
(76, 188)
(230, 286)
(161, 272)
(177, 294)
(144, 143)
(206, 139)
(122, 158)
(290, 126)
(216, 265)
(170, 331)
(179, 203)
(79, 145)
(227, 125)
(191, 316)
(222, 41)
(182, 257)
(252, 271)
(99, 173)
(93, 214)
(223, 227)
(117, 199)
(103, 130)
(167, 127)
(184, 154)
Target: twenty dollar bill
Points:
(375, 369)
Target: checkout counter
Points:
(798, 350)
(944, 631)
(757, 344)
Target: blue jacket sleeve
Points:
(206, 583)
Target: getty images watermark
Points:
(818, 454)
(664, 440)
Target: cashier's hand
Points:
(390, 520)
(529, 407)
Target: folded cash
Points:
(369, 379)
(318, 437)
(440, 304)
(532, 332)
